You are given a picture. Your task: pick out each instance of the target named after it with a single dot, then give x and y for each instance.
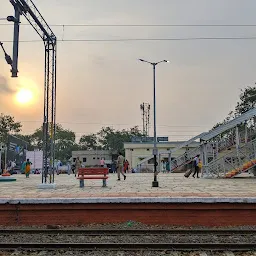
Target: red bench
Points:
(98, 173)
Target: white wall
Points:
(36, 158)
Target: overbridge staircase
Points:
(235, 162)
(182, 145)
(213, 150)
(215, 147)
(210, 140)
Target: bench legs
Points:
(103, 185)
(81, 183)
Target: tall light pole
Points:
(154, 64)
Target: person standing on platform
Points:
(168, 166)
(23, 167)
(78, 164)
(120, 166)
(27, 168)
(102, 162)
(200, 165)
(69, 168)
(126, 166)
(163, 166)
(113, 167)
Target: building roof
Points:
(90, 152)
(159, 144)
(167, 142)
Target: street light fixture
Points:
(7, 57)
(154, 64)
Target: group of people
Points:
(165, 166)
(122, 166)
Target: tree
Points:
(104, 136)
(8, 125)
(28, 139)
(65, 142)
(88, 142)
(113, 140)
(37, 138)
(247, 101)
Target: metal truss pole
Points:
(53, 119)
(49, 112)
(28, 9)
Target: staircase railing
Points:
(186, 158)
(233, 160)
(212, 150)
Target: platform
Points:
(177, 201)
(136, 185)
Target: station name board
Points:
(149, 139)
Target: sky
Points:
(103, 83)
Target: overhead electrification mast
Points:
(28, 9)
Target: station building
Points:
(92, 157)
(137, 152)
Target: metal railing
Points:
(233, 160)
(213, 149)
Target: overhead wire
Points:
(86, 123)
(142, 39)
(138, 25)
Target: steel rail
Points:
(97, 232)
(131, 246)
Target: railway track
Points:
(128, 246)
(137, 232)
(106, 239)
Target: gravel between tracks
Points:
(133, 239)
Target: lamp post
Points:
(154, 64)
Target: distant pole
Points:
(142, 107)
(155, 151)
(147, 123)
(5, 158)
(155, 182)
(34, 159)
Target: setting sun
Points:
(24, 96)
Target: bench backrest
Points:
(93, 171)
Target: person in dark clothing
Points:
(195, 164)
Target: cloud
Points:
(5, 87)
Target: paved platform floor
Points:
(136, 185)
